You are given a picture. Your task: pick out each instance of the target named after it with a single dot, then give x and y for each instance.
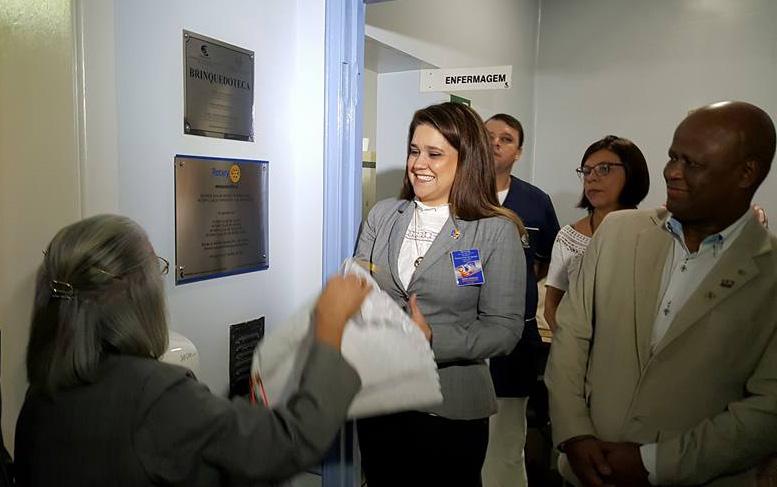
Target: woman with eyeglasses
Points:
(102, 410)
(615, 177)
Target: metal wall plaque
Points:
(221, 218)
(218, 88)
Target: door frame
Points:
(344, 65)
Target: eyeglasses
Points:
(602, 169)
(164, 265)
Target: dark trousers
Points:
(409, 449)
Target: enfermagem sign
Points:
(467, 79)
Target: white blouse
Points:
(568, 250)
(424, 227)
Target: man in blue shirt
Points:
(515, 375)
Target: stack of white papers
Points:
(391, 355)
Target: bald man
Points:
(663, 369)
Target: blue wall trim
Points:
(344, 64)
(343, 128)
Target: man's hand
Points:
(588, 461)
(626, 463)
(760, 215)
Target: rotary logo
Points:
(234, 173)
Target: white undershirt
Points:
(683, 272)
(426, 223)
(502, 195)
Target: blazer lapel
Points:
(396, 236)
(652, 247)
(734, 269)
(441, 246)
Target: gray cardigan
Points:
(469, 323)
(143, 423)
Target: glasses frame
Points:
(164, 266)
(584, 171)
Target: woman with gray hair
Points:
(102, 410)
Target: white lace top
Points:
(568, 250)
(423, 229)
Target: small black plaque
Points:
(243, 338)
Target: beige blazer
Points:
(708, 394)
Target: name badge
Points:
(467, 267)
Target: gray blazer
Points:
(146, 423)
(469, 323)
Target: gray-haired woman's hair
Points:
(98, 291)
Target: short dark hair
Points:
(473, 194)
(512, 122)
(637, 175)
(99, 291)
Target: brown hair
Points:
(637, 175)
(473, 194)
(511, 122)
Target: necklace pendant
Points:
(417, 262)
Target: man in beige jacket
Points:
(663, 370)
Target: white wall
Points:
(91, 97)
(398, 99)
(451, 34)
(635, 68)
(96, 77)
(39, 172)
(370, 107)
(288, 39)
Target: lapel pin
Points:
(727, 283)
(455, 233)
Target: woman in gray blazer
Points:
(452, 256)
(102, 410)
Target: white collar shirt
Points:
(685, 270)
(424, 227)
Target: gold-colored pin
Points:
(368, 266)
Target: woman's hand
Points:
(418, 318)
(552, 299)
(760, 215)
(341, 298)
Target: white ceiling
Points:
(381, 58)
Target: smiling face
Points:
(504, 140)
(431, 165)
(702, 172)
(604, 191)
